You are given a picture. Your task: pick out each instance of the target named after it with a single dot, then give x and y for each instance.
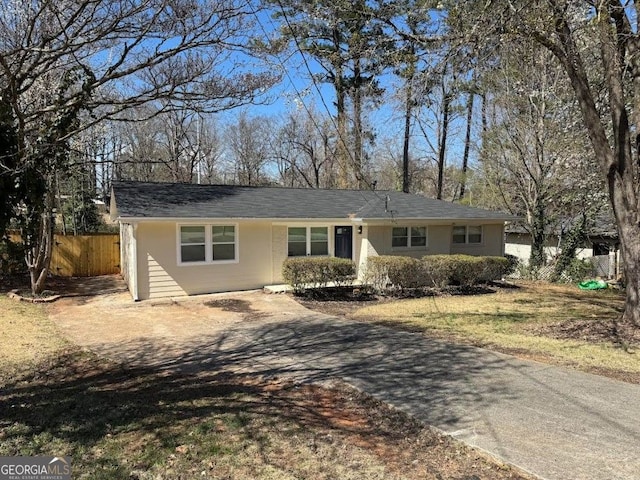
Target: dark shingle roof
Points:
(182, 200)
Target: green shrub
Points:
(388, 272)
(470, 270)
(467, 270)
(11, 257)
(496, 268)
(439, 269)
(396, 272)
(513, 264)
(317, 272)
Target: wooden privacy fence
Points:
(85, 255)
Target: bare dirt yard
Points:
(123, 422)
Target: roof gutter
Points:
(124, 219)
(439, 219)
(355, 220)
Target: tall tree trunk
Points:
(537, 257)
(616, 161)
(442, 148)
(572, 241)
(467, 146)
(39, 236)
(342, 152)
(483, 113)
(358, 144)
(408, 112)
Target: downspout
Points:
(504, 239)
(134, 274)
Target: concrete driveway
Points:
(553, 422)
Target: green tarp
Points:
(593, 285)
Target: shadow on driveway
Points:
(403, 369)
(556, 423)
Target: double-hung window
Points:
(418, 236)
(207, 244)
(223, 242)
(302, 241)
(409, 237)
(400, 237)
(193, 244)
(318, 241)
(467, 234)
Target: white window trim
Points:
(308, 239)
(466, 235)
(409, 246)
(208, 243)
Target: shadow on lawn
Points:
(232, 373)
(83, 405)
(99, 410)
(438, 381)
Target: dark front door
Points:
(344, 242)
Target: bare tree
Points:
(138, 154)
(65, 66)
(535, 144)
(306, 148)
(248, 141)
(598, 45)
(437, 112)
(210, 147)
(346, 39)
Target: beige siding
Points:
(370, 238)
(378, 242)
(438, 241)
(278, 251)
(492, 242)
(357, 245)
(280, 248)
(127, 256)
(262, 247)
(161, 276)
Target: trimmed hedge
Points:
(394, 271)
(397, 272)
(317, 272)
(439, 270)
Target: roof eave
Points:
(357, 220)
(441, 219)
(125, 219)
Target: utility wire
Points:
(300, 50)
(358, 171)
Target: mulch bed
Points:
(342, 301)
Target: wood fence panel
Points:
(85, 255)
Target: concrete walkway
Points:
(552, 422)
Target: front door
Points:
(344, 242)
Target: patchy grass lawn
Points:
(556, 323)
(124, 423)
(28, 337)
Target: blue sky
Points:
(297, 86)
